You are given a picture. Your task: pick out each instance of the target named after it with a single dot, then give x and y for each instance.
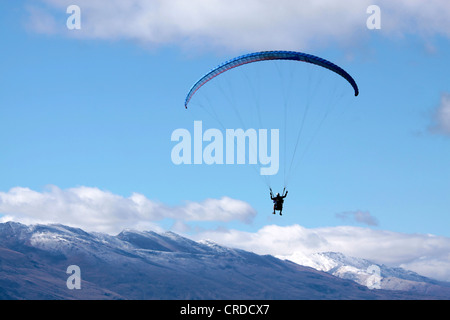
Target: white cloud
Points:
(245, 25)
(97, 210)
(426, 254)
(441, 120)
(359, 216)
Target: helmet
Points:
(278, 194)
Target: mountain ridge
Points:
(150, 265)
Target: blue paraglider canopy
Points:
(269, 55)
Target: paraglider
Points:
(278, 200)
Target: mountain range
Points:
(34, 262)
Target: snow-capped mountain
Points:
(372, 275)
(146, 265)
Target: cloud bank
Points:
(93, 209)
(241, 25)
(428, 255)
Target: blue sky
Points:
(87, 115)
